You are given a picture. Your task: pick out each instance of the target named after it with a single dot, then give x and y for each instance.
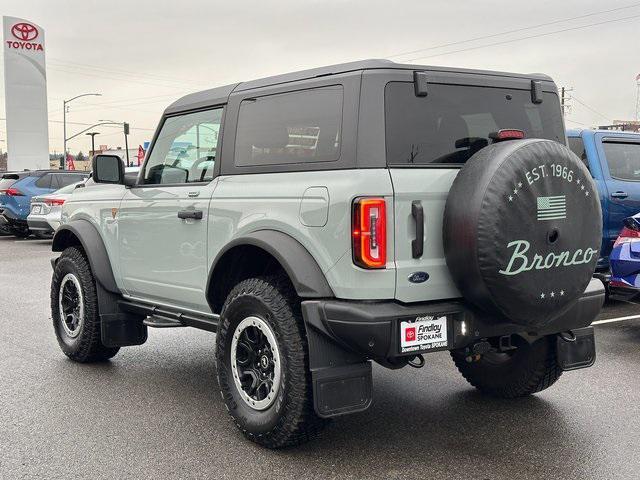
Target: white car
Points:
(46, 210)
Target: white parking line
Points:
(618, 319)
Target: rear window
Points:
(59, 181)
(6, 182)
(453, 122)
(623, 159)
(44, 181)
(577, 146)
(295, 127)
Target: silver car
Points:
(46, 210)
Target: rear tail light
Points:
(53, 201)
(627, 235)
(369, 232)
(13, 192)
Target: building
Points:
(119, 151)
(623, 126)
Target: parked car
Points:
(6, 180)
(46, 210)
(322, 220)
(613, 158)
(15, 201)
(625, 260)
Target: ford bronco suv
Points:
(323, 220)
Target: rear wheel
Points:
(527, 369)
(74, 309)
(262, 363)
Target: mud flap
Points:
(576, 349)
(342, 380)
(118, 328)
(342, 390)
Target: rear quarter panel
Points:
(243, 204)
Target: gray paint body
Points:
(159, 258)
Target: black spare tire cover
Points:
(522, 230)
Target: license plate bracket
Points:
(424, 333)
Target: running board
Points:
(156, 321)
(164, 317)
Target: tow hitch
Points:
(576, 348)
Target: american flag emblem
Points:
(552, 208)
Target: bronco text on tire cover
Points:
(522, 229)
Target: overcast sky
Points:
(143, 54)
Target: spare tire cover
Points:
(522, 230)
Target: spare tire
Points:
(522, 230)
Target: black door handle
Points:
(619, 195)
(195, 214)
(417, 245)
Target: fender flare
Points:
(303, 270)
(91, 241)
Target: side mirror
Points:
(108, 169)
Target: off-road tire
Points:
(87, 346)
(291, 419)
(531, 369)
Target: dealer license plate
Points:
(424, 333)
(36, 209)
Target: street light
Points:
(93, 143)
(125, 125)
(64, 119)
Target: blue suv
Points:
(16, 190)
(613, 158)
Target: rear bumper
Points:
(9, 219)
(42, 223)
(344, 335)
(373, 329)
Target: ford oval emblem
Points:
(418, 277)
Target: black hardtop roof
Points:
(221, 94)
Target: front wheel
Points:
(528, 369)
(74, 309)
(262, 363)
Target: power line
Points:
(105, 77)
(606, 117)
(526, 38)
(171, 79)
(507, 32)
(577, 123)
(91, 124)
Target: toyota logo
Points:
(24, 31)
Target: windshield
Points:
(68, 188)
(453, 122)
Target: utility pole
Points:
(564, 100)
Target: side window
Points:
(623, 159)
(185, 150)
(288, 128)
(44, 181)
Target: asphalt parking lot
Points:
(155, 412)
